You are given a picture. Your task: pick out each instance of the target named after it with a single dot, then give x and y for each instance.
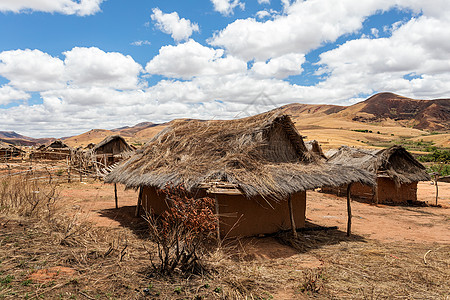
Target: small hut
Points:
(112, 149)
(56, 150)
(395, 170)
(257, 169)
(314, 147)
(8, 151)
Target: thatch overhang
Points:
(260, 155)
(394, 162)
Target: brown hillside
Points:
(131, 131)
(421, 114)
(92, 136)
(385, 117)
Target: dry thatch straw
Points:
(314, 147)
(260, 155)
(395, 162)
(58, 144)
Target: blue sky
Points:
(69, 66)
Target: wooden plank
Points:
(215, 190)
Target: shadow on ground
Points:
(281, 244)
(125, 215)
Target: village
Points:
(249, 192)
(224, 149)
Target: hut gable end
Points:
(112, 145)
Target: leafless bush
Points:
(28, 198)
(181, 232)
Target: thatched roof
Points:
(395, 162)
(58, 144)
(110, 139)
(5, 146)
(260, 155)
(314, 147)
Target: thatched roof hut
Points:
(393, 167)
(7, 150)
(260, 155)
(54, 150)
(114, 144)
(262, 158)
(112, 149)
(395, 162)
(58, 144)
(314, 147)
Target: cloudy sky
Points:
(67, 66)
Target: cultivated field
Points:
(74, 244)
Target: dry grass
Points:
(113, 263)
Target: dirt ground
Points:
(381, 225)
(382, 222)
(394, 252)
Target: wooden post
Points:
(349, 210)
(291, 214)
(115, 195)
(216, 204)
(138, 206)
(81, 175)
(68, 170)
(437, 189)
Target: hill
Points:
(380, 120)
(14, 138)
(432, 115)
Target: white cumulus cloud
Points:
(303, 26)
(415, 48)
(179, 29)
(192, 59)
(68, 7)
(31, 70)
(9, 94)
(280, 67)
(94, 67)
(226, 7)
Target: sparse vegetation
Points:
(181, 232)
(113, 263)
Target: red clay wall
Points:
(240, 216)
(361, 191)
(388, 192)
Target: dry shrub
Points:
(182, 231)
(313, 281)
(27, 197)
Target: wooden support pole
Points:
(216, 204)
(349, 210)
(115, 195)
(437, 189)
(291, 214)
(138, 206)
